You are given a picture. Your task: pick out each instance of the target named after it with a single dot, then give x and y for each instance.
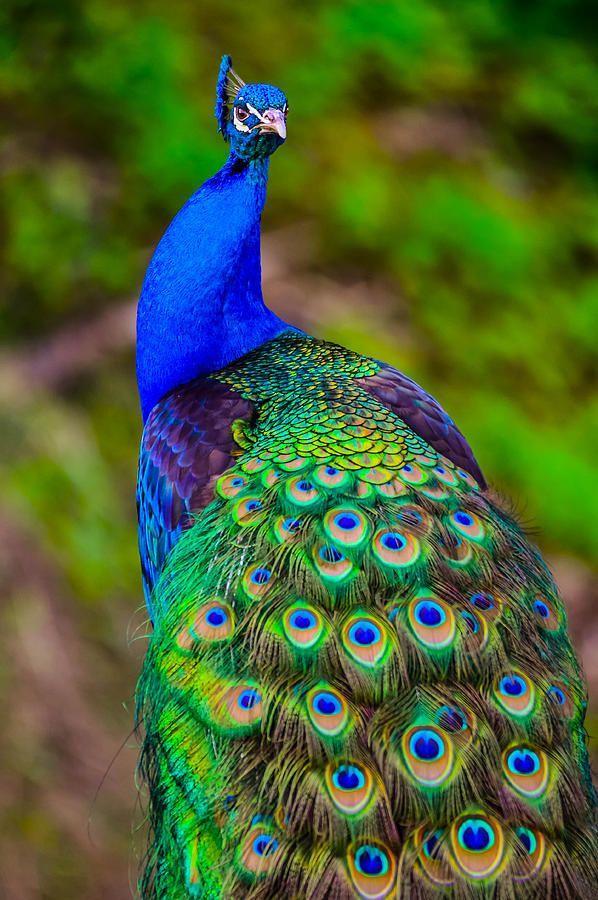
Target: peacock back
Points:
(360, 682)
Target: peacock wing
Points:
(187, 444)
(424, 415)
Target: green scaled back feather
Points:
(363, 684)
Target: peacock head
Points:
(251, 117)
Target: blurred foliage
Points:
(444, 153)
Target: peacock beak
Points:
(273, 121)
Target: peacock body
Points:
(359, 682)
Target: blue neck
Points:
(201, 305)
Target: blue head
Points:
(251, 117)
(201, 306)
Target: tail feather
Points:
(363, 686)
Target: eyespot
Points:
(478, 845)
(476, 630)
(435, 492)
(395, 548)
(456, 551)
(412, 474)
(452, 719)
(515, 693)
(557, 695)
(241, 705)
(303, 626)
(444, 474)
(467, 524)
(428, 755)
(365, 640)
(531, 845)
(286, 528)
(468, 479)
(331, 563)
(230, 485)
(526, 770)
(257, 580)
(248, 511)
(346, 525)
(561, 700)
(214, 621)
(414, 517)
(482, 601)
(302, 492)
(328, 711)
(350, 786)
(431, 858)
(432, 621)
(331, 477)
(260, 850)
(546, 614)
(373, 870)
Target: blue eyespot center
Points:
(463, 518)
(430, 614)
(451, 719)
(216, 617)
(408, 468)
(523, 762)
(426, 745)
(475, 835)
(252, 505)
(327, 704)
(542, 609)
(348, 778)
(392, 540)
(265, 845)
(249, 698)
(512, 685)
(330, 470)
(440, 470)
(364, 633)
(238, 482)
(303, 619)
(527, 839)
(346, 521)
(261, 576)
(471, 621)
(330, 554)
(557, 695)
(305, 486)
(482, 601)
(371, 861)
(291, 524)
(431, 844)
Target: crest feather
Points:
(228, 86)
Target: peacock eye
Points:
(242, 114)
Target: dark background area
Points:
(435, 206)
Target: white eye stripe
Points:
(255, 112)
(240, 126)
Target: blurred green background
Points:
(435, 205)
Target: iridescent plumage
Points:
(360, 682)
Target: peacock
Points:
(359, 681)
